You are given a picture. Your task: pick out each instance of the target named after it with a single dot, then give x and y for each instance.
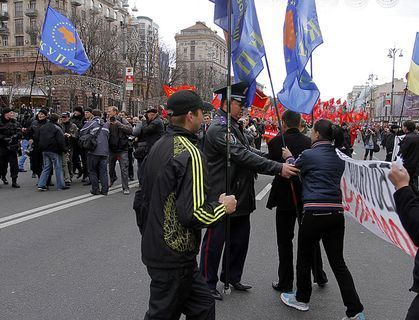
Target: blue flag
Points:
(61, 44)
(301, 36)
(247, 45)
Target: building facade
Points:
(201, 57)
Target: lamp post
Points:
(392, 55)
(371, 79)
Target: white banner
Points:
(367, 195)
(396, 148)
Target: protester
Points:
(323, 219)
(370, 142)
(407, 207)
(260, 128)
(71, 133)
(36, 153)
(97, 159)
(50, 140)
(79, 155)
(245, 163)
(389, 137)
(119, 132)
(347, 146)
(10, 135)
(171, 209)
(286, 197)
(203, 131)
(409, 151)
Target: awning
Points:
(23, 91)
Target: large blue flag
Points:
(301, 36)
(413, 79)
(61, 44)
(247, 45)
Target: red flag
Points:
(339, 102)
(260, 100)
(332, 101)
(171, 90)
(216, 101)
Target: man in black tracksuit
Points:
(245, 163)
(171, 208)
(289, 206)
(409, 151)
(407, 206)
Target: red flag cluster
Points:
(171, 90)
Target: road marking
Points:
(68, 203)
(263, 193)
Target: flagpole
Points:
(227, 289)
(37, 58)
(311, 75)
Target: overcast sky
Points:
(357, 35)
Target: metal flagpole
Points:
(37, 58)
(311, 74)
(227, 289)
(404, 100)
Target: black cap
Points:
(6, 110)
(394, 127)
(78, 109)
(151, 110)
(44, 111)
(65, 114)
(183, 101)
(238, 92)
(88, 110)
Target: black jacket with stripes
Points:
(172, 205)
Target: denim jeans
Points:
(22, 158)
(98, 171)
(51, 159)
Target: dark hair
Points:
(329, 131)
(409, 125)
(53, 117)
(97, 112)
(292, 119)
(180, 120)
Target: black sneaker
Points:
(277, 287)
(64, 188)
(95, 193)
(15, 185)
(43, 188)
(216, 294)
(5, 180)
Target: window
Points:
(18, 9)
(19, 26)
(32, 4)
(32, 23)
(33, 39)
(142, 25)
(19, 41)
(5, 41)
(4, 7)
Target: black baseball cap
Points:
(183, 101)
(238, 92)
(65, 115)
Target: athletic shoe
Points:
(43, 188)
(359, 316)
(290, 300)
(126, 192)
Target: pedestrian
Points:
(407, 208)
(347, 146)
(409, 151)
(10, 136)
(370, 142)
(285, 195)
(36, 153)
(246, 162)
(97, 159)
(389, 137)
(50, 140)
(323, 219)
(71, 134)
(203, 130)
(260, 130)
(119, 132)
(171, 208)
(79, 155)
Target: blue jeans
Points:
(50, 159)
(22, 158)
(98, 171)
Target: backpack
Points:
(89, 141)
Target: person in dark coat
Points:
(407, 207)
(409, 151)
(79, 155)
(286, 197)
(246, 162)
(10, 135)
(50, 140)
(389, 142)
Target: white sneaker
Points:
(126, 192)
(290, 300)
(359, 316)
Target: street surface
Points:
(71, 255)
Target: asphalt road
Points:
(70, 255)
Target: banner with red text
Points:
(368, 198)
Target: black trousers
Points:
(413, 313)
(330, 228)
(212, 248)
(98, 171)
(130, 163)
(370, 152)
(37, 162)
(285, 225)
(174, 292)
(9, 158)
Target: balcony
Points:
(31, 12)
(95, 9)
(77, 3)
(111, 16)
(32, 30)
(4, 16)
(4, 31)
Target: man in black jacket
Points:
(79, 155)
(409, 150)
(10, 135)
(50, 140)
(171, 208)
(407, 206)
(245, 163)
(119, 132)
(286, 197)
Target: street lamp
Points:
(371, 79)
(392, 55)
